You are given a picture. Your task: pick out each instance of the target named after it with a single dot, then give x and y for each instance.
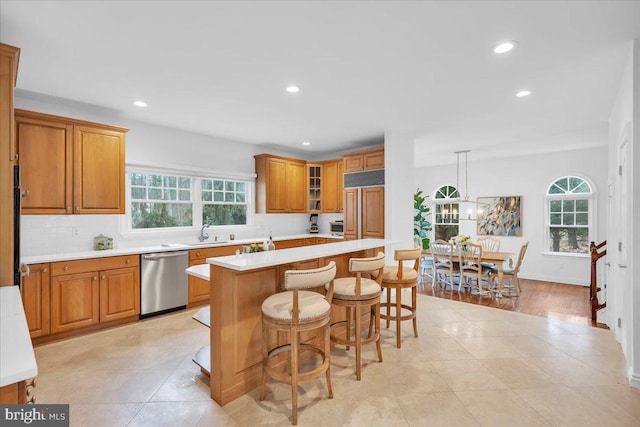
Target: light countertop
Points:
(257, 260)
(17, 360)
(161, 248)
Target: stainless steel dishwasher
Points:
(164, 285)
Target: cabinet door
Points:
(315, 187)
(276, 185)
(36, 300)
(331, 195)
(119, 293)
(45, 155)
(353, 163)
(296, 186)
(99, 171)
(199, 289)
(373, 160)
(351, 214)
(373, 212)
(74, 301)
(340, 185)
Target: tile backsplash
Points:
(51, 234)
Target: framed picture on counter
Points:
(499, 216)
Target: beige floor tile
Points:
(516, 373)
(435, 409)
(500, 408)
(443, 349)
(183, 414)
(103, 415)
(572, 372)
(184, 385)
(621, 399)
(463, 328)
(461, 375)
(565, 406)
(488, 347)
(532, 346)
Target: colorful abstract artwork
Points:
(499, 216)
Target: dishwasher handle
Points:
(152, 257)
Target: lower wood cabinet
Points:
(199, 289)
(36, 297)
(83, 293)
(75, 301)
(119, 293)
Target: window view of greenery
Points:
(569, 216)
(159, 201)
(224, 202)
(446, 223)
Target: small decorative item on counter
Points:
(100, 242)
(109, 242)
(232, 236)
(265, 245)
(272, 246)
(255, 248)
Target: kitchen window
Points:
(160, 201)
(174, 199)
(569, 216)
(224, 202)
(446, 211)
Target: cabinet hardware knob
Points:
(197, 254)
(77, 208)
(68, 208)
(44, 270)
(66, 267)
(104, 277)
(95, 278)
(128, 261)
(24, 193)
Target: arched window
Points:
(446, 208)
(569, 215)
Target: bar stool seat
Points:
(292, 312)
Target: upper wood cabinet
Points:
(70, 166)
(280, 184)
(332, 186)
(315, 187)
(364, 160)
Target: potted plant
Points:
(421, 225)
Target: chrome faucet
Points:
(202, 237)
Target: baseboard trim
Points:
(634, 381)
(545, 278)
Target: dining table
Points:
(490, 257)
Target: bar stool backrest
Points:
(305, 279)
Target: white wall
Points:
(150, 144)
(529, 177)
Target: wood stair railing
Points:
(595, 256)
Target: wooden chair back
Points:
(443, 252)
(489, 244)
(523, 250)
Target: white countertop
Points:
(17, 361)
(257, 260)
(159, 248)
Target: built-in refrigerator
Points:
(364, 205)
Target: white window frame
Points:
(196, 176)
(437, 202)
(591, 217)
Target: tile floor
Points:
(471, 366)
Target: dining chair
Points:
(490, 244)
(446, 263)
(397, 278)
(356, 293)
(292, 312)
(471, 269)
(511, 274)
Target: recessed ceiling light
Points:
(505, 47)
(306, 143)
(139, 103)
(293, 89)
(523, 93)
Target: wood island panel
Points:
(236, 321)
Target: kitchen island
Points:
(239, 285)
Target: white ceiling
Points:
(364, 68)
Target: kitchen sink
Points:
(213, 243)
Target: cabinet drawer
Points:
(204, 253)
(94, 264)
(293, 243)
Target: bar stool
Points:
(295, 311)
(398, 278)
(356, 293)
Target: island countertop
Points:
(253, 261)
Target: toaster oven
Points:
(336, 228)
